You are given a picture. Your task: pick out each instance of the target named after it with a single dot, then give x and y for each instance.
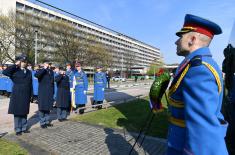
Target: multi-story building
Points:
(122, 45)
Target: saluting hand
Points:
(62, 72)
(45, 66)
(17, 63)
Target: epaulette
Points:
(196, 61)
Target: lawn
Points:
(130, 116)
(10, 148)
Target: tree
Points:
(18, 35)
(155, 66)
(7, 39)
(72, 44)
(100, 55)
(58, 41)
(129, 62)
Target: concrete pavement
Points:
(76, 138)
(114, 95)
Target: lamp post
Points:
(36, 47)
(154, 72)
(122, 65)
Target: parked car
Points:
(146, 77)
(118, 78)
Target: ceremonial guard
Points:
(80, 85)
(99, 86)
(69, 72)
(45, 94)
(63, 94)
(108, 79)
(21, 93)
(197, 126)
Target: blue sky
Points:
(155, 21)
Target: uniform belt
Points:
(99, 82)
(79, 82)
(175, 103)
(177, 122)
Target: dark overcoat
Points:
(22, 90)
(63, 91)
(45, 89)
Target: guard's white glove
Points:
(102, 89)
(71, 89)
(85, 91)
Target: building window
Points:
(19, 5)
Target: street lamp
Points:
(122, 65)
(154, 71)
(36, 46)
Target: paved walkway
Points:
(77, 138)
(115, 95)
(74, 138)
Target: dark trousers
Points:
(98, 102)
(81, 111)
(20, 123)
(230, 136)
(44, 117)
(108, 84)
(61, 113)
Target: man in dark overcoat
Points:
(21, 93)
(63, 94)
(45, 94)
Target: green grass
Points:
(10, 148)
(130, 116)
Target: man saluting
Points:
(21, 93)
(45, 93)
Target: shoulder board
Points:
(196, 61)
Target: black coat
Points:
(63, 91)
(22, 90)
(45, 89)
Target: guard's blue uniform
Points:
(6, 84)
(81, 87)
(197, 126)
(35, 84)
(70, 74)
(99, 85)
(55, 86)
(2, 83)
(9, 85)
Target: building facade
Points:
(123, 47)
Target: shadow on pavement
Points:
(116, 143)
(141, 111)
(35, 118)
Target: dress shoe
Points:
(49, 125)
(26, 131)
(18, 133)
(43, 126)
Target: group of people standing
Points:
(71, 92)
